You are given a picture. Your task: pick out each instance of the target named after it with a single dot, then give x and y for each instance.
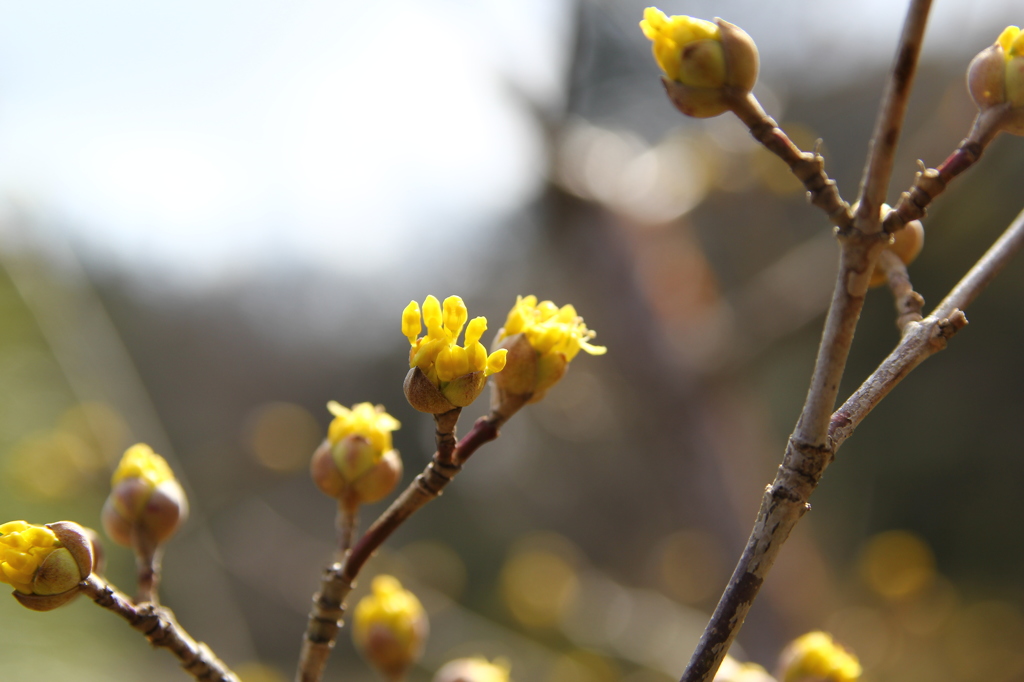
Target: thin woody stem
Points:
(339, 579)
(908, 302)
(891, 114)
(147, 566)
(808, 167)
(157, 623)
(346, 520)
(808, 450)
(929, 183)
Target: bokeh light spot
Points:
(897, 564)
(282, 436)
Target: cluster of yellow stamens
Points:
(438, 354)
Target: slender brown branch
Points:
(809, 451)
(927, 337)
(338, 580)
(444, 433)
(908, 302)
(157, 623)
(929, 183)
(808, 167)
(346, 521)
(891, 114)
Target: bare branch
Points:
(157, 623)
(808, 167)
(882, 151)
(908, 302)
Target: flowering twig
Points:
(808, 451)
(338, 579)
(346, 521)
(157, 623)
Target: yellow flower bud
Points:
(444, 375)
(473, 670)
(356, 463)
(44, 564)
(541, 340)
(146, 504)
(995, 78)
(734, 671)
(389, 627)
(906, 244)
(814, 657)
(705, 63)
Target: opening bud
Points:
(541, 340)
(146, 505)
(44, 564)
(707, 65)
(815, 657)
(995, 79)
(389, 627)
(356, 463)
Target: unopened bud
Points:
(44, 564)
(389, 627)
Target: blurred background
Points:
(212, 214)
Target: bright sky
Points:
(215, 136)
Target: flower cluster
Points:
(541, 339)
(444, 375)
(815, 657)
(356, 464)
(44, 564)
(389, 627)
(146, 504)
(705, 63)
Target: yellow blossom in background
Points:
(815, 657)
(23, 547)
(357, 463)
(476, 669)
(438, 354)
(549, 329)
(372, 423)
(146, 505)
(671, 35)
(389, 627)
(139, 461)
